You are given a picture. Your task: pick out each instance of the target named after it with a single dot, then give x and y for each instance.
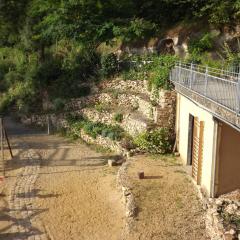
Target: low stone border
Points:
(130, 205)
(105, 142)
(217, 227)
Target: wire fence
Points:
(219, 85)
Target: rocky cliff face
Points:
(175, 40)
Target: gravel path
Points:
(60, 190)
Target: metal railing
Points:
(218, 85)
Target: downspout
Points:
(177, 121)
(216, 139)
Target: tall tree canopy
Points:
(48, 46)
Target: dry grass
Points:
(168, 204)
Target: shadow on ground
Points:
(60, 150)
(7, 232)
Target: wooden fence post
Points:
(8, 143)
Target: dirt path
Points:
(169, 207)
(58, 190)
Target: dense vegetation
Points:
(48, 47)
(158, 141)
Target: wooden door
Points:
(197, 150)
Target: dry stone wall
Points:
(141, 109)
(223, 217)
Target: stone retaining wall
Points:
(134, 86)
(220, 216)
(142, 110)
(165, 111)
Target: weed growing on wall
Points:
(101, 107)
(118, 117)
(109, 65)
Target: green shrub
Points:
(137, 29)
(133, 67)
(118, 117)
(201, 44)
(157, 142)
(88, 128)
(155, 69)
(198, 48)
(58, 104)
(231, 219)
(232, 56)
(5, 67)
(115, 93)
(101, 107)
(84, 91)
(160, 78)
(109, 64)
(160, 71)
(5, 101)
(13, 77)
(115, 133)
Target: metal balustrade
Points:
(218, 85)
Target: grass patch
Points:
(168, 159)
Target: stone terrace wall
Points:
(158, 106)
(165, 112)
(142, 110)
(218, 227)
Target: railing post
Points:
(238, 95)
(191, 76)
(179, 72)
(206, 81)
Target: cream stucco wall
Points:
(184, 108)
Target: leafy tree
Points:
(12, 14)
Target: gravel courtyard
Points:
(58, 189)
